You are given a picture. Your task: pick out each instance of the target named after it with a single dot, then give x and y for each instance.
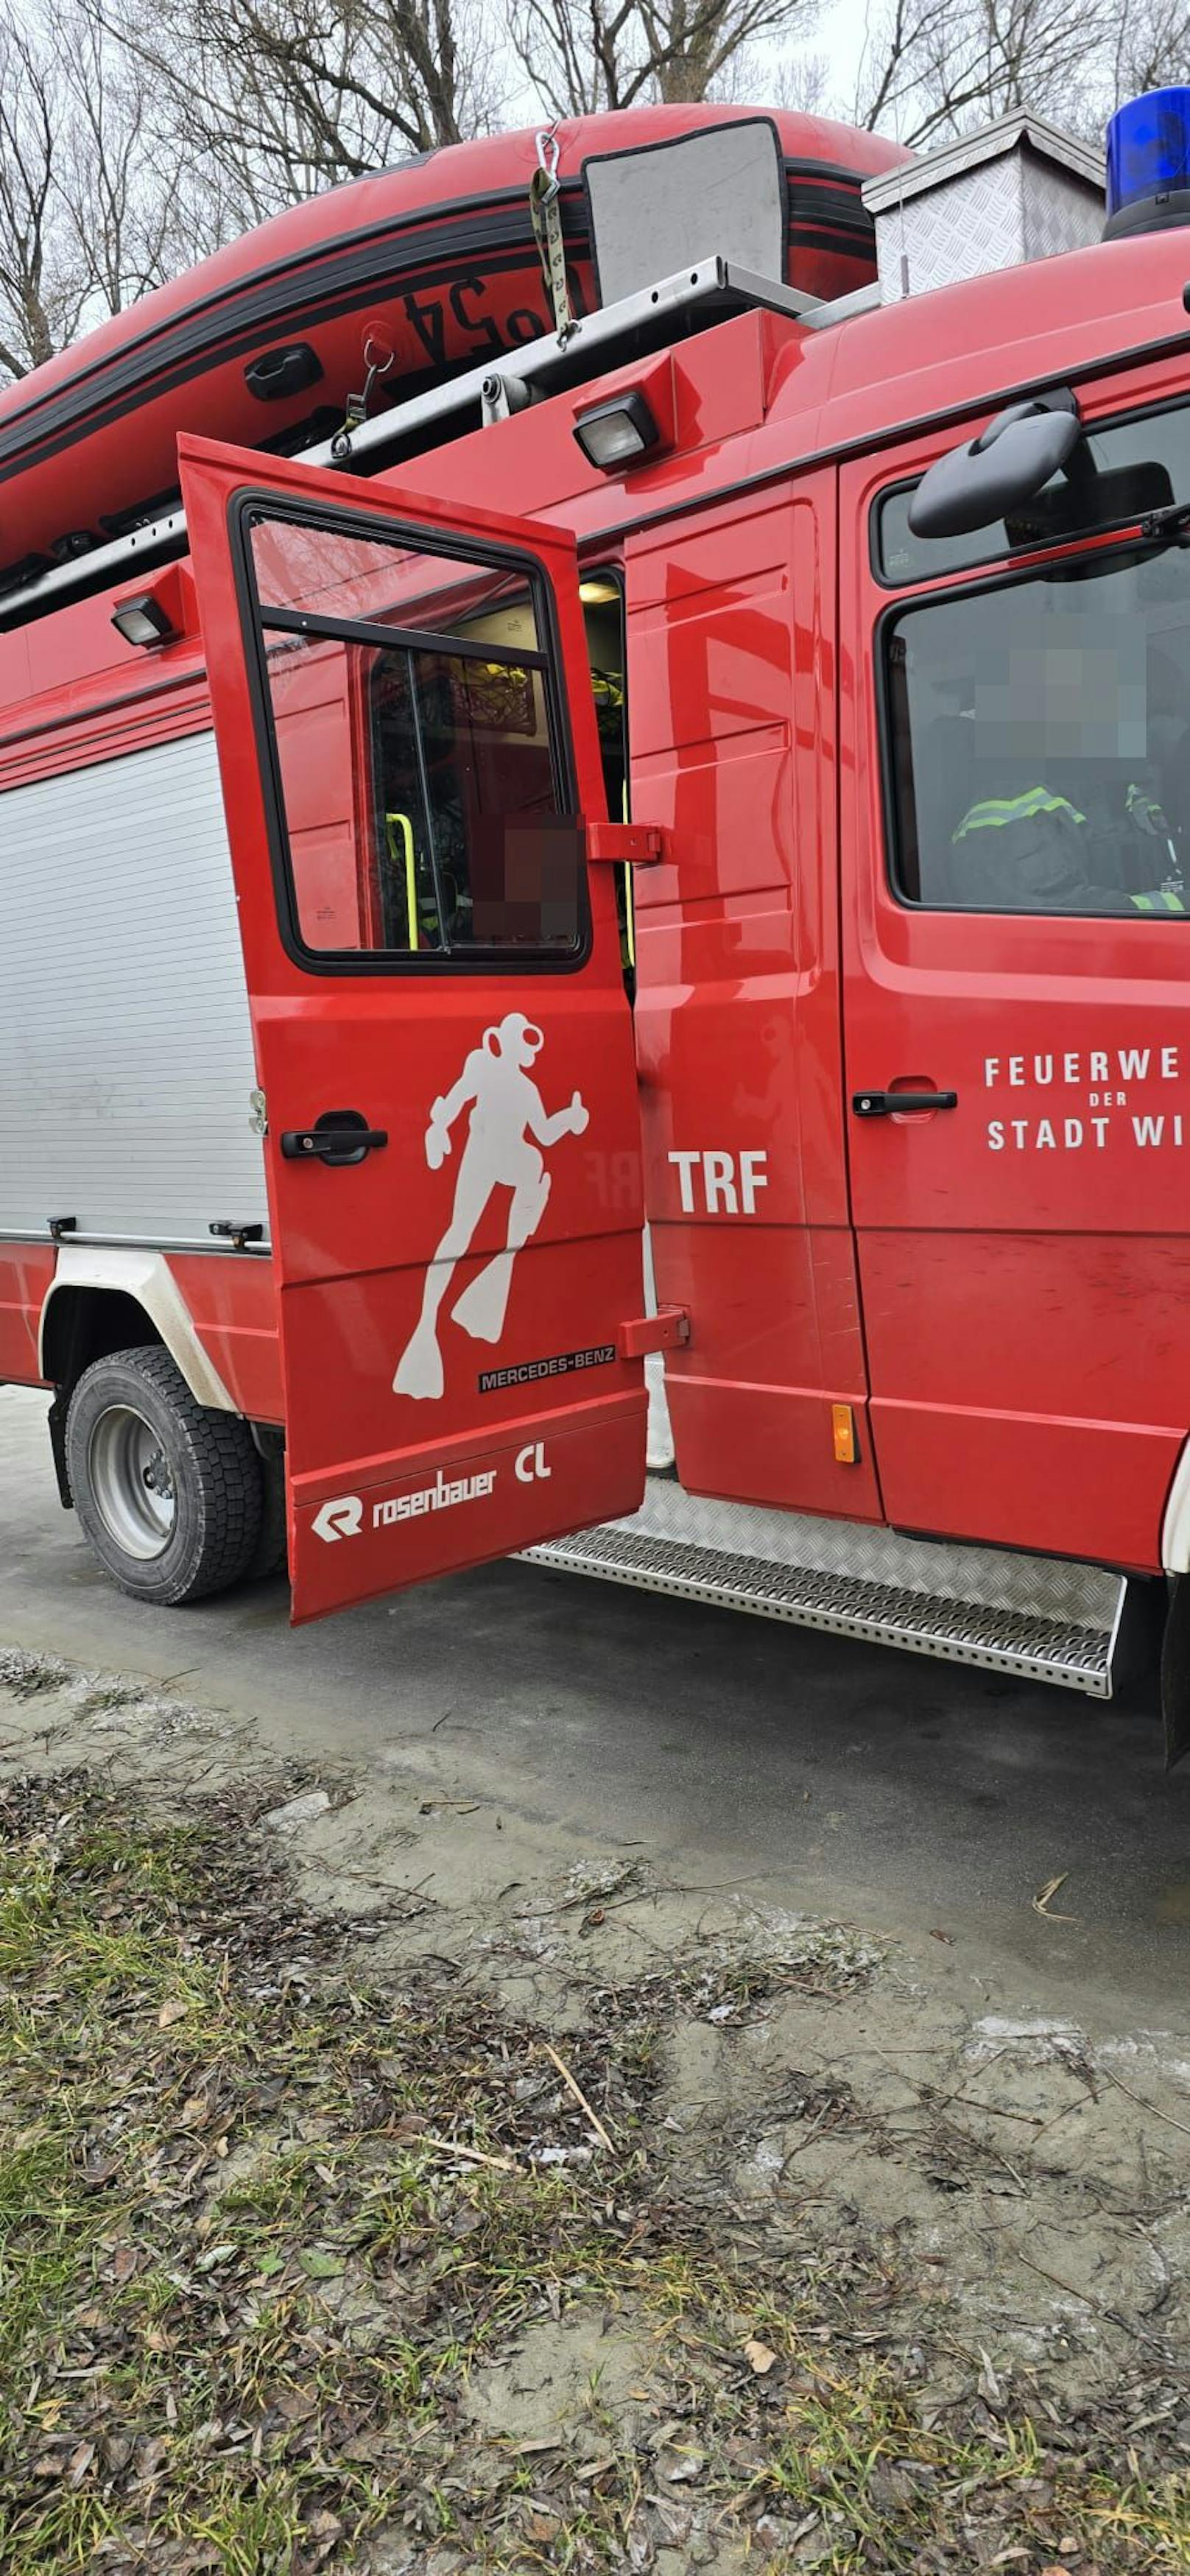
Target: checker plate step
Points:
(1022, 1641)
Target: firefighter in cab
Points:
(1039, 851)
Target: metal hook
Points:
(357, 404)
(547, 152)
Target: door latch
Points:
(237, 1235)
(667, 1330)
(905, 1104)
(339, 1136)
(629, 845)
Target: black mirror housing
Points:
(991, 477)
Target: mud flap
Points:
(57, 1429)
(1175, 1672)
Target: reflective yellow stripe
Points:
(993, 812)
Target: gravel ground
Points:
(392, 2180)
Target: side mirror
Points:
(995, 474)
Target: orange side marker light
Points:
(843, 1434)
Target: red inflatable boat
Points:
(433, 264)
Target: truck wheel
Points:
(271, 1552)
(169, 1494)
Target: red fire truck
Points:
(595, 945)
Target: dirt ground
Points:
(893, 2275)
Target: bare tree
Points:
(275, 99)
(616, 53)
(933, 68)
(1151, 48)
(91, 212)
(43, 282)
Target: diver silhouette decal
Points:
(507, 1111)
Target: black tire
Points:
(170, 1496)
(271, 1552)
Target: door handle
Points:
(889, 1104)
(339, 1136)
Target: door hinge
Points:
(630, 845)
(665, 1331)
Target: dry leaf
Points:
(1041, 1902)
(758, 2356)
(988, 2384)
(172, 2012)
(324, 2526)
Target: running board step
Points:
(1032, 1639)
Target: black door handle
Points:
(339, 1136)
(887, 1104)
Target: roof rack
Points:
(615, 335)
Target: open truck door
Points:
(410, 762)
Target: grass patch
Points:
(259, 2224)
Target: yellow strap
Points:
(545, 214)
(629, 892)
(402, 824)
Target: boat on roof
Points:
(423, 270)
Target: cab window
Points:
(1119, 470)
(1039, 741)
(418, 749)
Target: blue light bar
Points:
(1148, 161)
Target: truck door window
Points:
(1039, 740)
(417, 749)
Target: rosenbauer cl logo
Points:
(340, 1518)
(343, 1516)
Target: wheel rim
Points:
(131, 1482)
